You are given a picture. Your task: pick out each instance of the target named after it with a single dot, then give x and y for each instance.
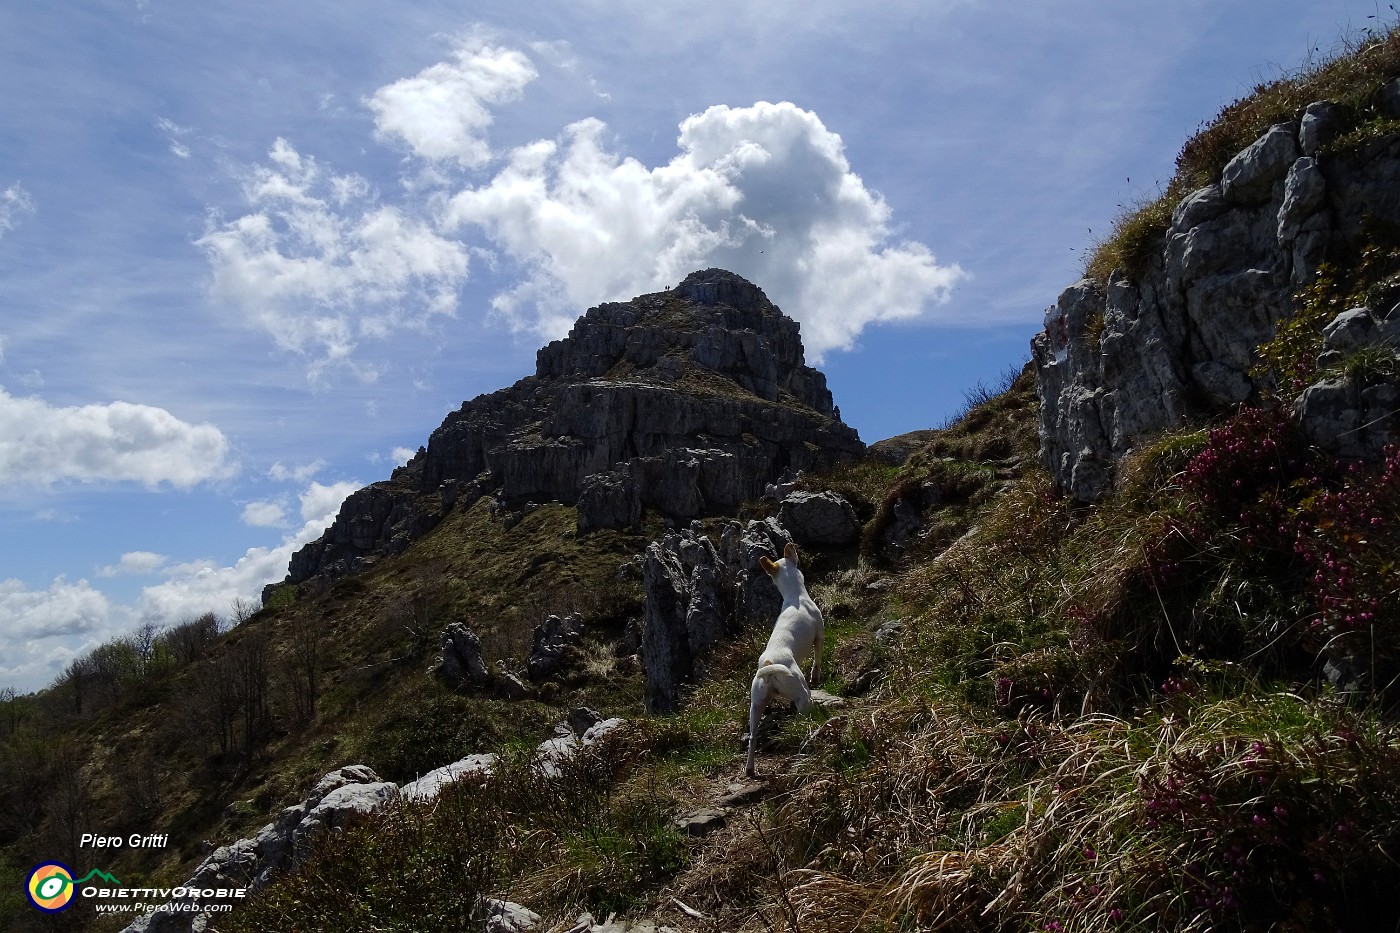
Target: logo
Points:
(51, 886)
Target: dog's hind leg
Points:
(758, 700)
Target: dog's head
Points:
(773, 568)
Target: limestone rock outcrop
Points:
(249, 863)
(338, 797)
(461, 661)
(689, 402)
(696, 593)
(1120, 360)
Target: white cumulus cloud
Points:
(265, 513)
(41, 444)
(321, 265)
(134, 563)
(442, 112)
(43, 630)
(765, 191)
(63, 609)
(200, 586)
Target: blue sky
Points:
(251, 253)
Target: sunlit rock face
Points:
(1121, 360)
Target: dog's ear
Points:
(768, 566)
(790, 552)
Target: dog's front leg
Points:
(816, 657)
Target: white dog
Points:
(797, 633)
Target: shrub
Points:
(1351, 545)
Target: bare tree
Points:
(219, 699)
(242, 610)
(189, 641)
(249, 658)
(13, 711)
(143, 646)
(114, 665)
(70, 796)
(303, 664)
(141, 782)
(78, 677)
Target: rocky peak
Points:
(687, 401)
(713, 323)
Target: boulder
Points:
(1322, 121)
(696, 593)
(250, 863)
(1350, 330)
(508, 917)
(428, 786)
(553, 753)
(1388, 99)
(684, 613)
(1249, 177)
(1303, 193)
(819, 518)
(702, 822)
(1349, 418)
(461, 661)
(340, 806)
(552, 639)
(755, 598)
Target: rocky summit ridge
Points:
(1177, 340)
(687, 401)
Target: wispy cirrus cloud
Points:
(43, 444)
(174, 137)
(15, 203)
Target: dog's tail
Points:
(769, 669)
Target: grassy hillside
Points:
(1056, 717)
(1084, 719)
(166, 739)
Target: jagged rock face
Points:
(687, 401)
(697, 593)
(1117, 363)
